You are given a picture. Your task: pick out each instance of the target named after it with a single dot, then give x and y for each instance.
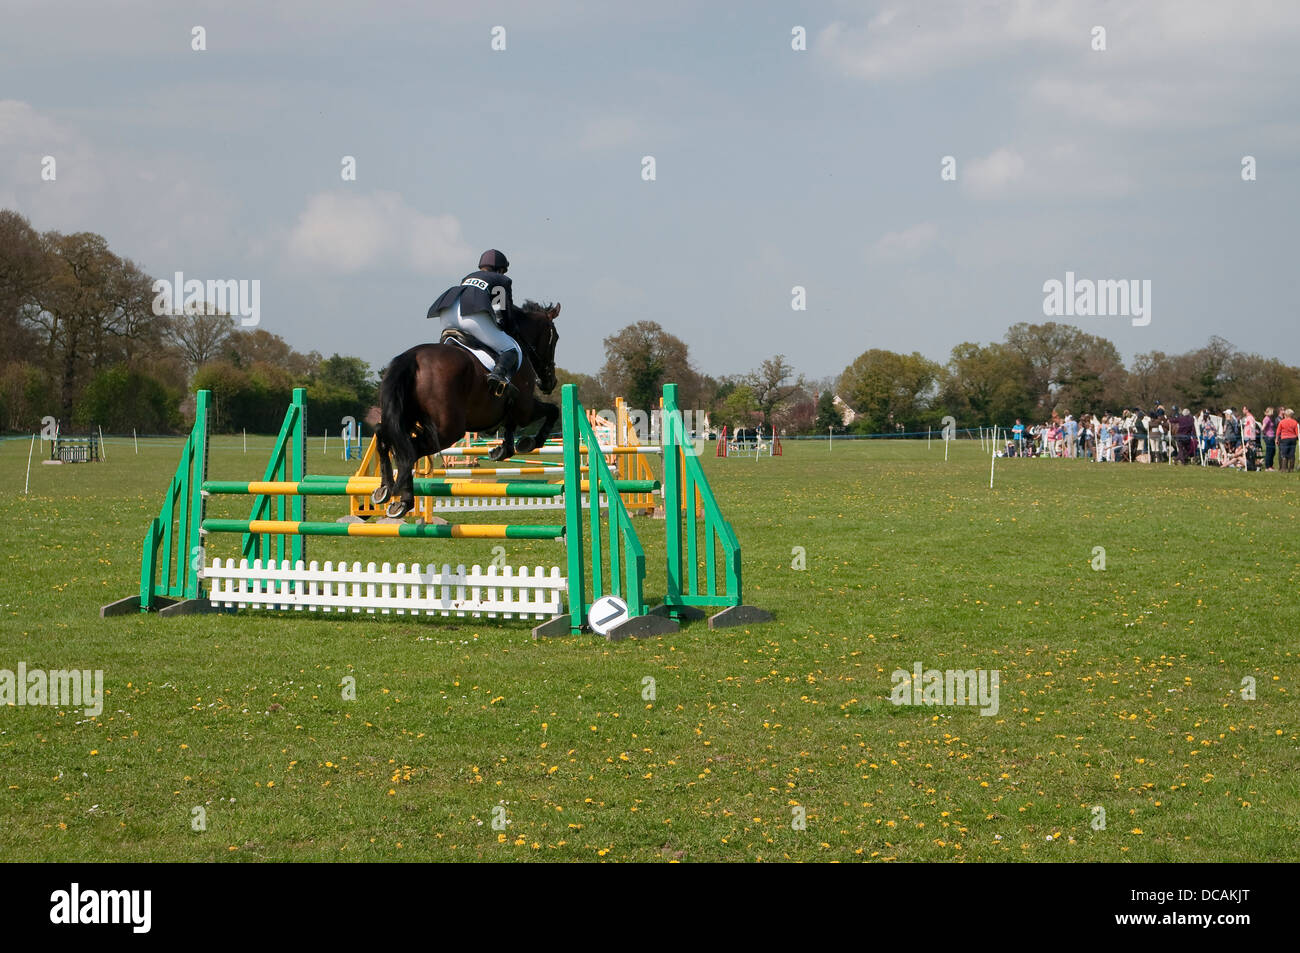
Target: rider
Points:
(482, 306)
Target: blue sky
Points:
(774, 168)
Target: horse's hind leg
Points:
(405, 485)
(423, 444)
(506, 449)
(549, 414)
(404, 460)
(384, 458)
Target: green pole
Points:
(672, 496)
(298, 506)
(573, 507)
(195, 476)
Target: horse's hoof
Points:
(501, 453)
(397, 509)
(380, 494)
(527, 445)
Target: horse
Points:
(433, 394)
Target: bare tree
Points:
(200, 336)
(770, 388)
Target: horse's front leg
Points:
(549, 414)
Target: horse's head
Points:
(536, 329)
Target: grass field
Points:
(1120, 688)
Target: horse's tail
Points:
(395, 397)
(395, 391)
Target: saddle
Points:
(487, 356)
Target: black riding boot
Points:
(499, 379)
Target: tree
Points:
(1067, 368)
(828, 414)
(889, 390)
(770, 388)
(119, 399)
(200, 337)
(26, 395)
(258, 346)
(739, 408)
(641, 358)
(1044, 349)
(351, 375)
(1092, 376)
(1202, 377)
(24, 268)
(1150, 380)
(254, 397)
(984, 385)
(797, 415)
(90, 310)
(1259, 382)
(591, 390)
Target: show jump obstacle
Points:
(625, 455)
(603, 555)
(67, 449)
(751, 445)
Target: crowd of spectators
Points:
(1229, 439)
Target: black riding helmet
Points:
(493, 259)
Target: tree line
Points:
(1041, 369)
(79, 340)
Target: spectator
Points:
(1231, 430)
(1071, 436)
(1186, 434)
(1268, 429)
(1287, 433)
(1249, 427)
(1234, 458)
(1209, 436)
(1018, 434)
(1250, 438)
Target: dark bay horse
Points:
(433, 394)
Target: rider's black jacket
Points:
(478, 294)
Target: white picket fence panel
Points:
(477, 504)
(506, 592)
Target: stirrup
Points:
(498, 385)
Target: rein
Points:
(530, 352)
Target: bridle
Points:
(530, 351)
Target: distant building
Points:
(847, 413)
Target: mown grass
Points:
(1120, 688)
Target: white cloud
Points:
(154, 208)
(340, 231)
(26, 138)
(1101, 101)
(991, 175)
(907, 243)
(1166, 61)
(931, 37)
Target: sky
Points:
(1114, 154)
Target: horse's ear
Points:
(554, 311)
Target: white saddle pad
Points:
(486, 359)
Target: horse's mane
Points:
(534, 309)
